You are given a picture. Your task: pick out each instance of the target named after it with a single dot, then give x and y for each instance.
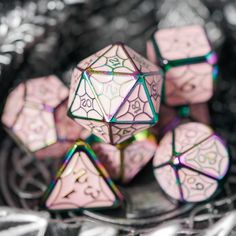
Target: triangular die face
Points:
(136, 107)
(142, 64)
(209, 157)
(81, 185)
(75, 80)
(122, 132)
(111, 91)
(84, 64)
(115, 60)
(99, 129)
(85, 105)
(154, 86)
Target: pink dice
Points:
(115, 93)
(189, 62)
(191, 163)
(35, 116)
(124, 163)
(82, 183)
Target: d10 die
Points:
(189, 63)
(115, 93)
(124, 163)
(35, 116)
(82, 182)
(191, 162)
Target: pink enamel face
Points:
(190, 162)
(81, 185)
(125, 164)
(39, 120)
(182, 42)
(189, 84)
(115, 93)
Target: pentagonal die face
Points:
(188, 60)
(125, 164)
(39, 121)
(115, 93)
(190, 162)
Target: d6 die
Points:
(189, 63)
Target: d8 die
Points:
(115, 93)
(191, 163)
(124, 163)
(35, 116)
(189, 63)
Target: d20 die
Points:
(35, 116)
(124, 163)
(188, 61)
(82, 183)
(115, 93)
(191, 163)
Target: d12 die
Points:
(35, 116)
(82, 182)
(115, 93)
(191, 162)
(189, 63)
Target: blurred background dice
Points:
(35, 116)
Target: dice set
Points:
(115, 95)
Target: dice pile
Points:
(120, 104)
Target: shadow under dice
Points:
(82, 182)
(191, 162)
(115, 93)
(188, 61)
(125, 163)
(35, 116)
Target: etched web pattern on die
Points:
(100, 129)
(109, 156)
(154, 86)
(48, 91)
(209, 157)
(80, 185)
(111, 91)
(182, 43)
(85, 104)
(35, 128)
(140, 62)
(196, 187)
(189, 84)
(114, 60)
(136, 107)
(164, 151)
(84, 64)
(166, 178)
(190, 134)
(121, 132)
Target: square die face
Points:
(182, 43)
(189, 84)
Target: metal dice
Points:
(191, 162)
(124, 163)
(188, 61)
(115, 93)
(35, 116)
(82, 183)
